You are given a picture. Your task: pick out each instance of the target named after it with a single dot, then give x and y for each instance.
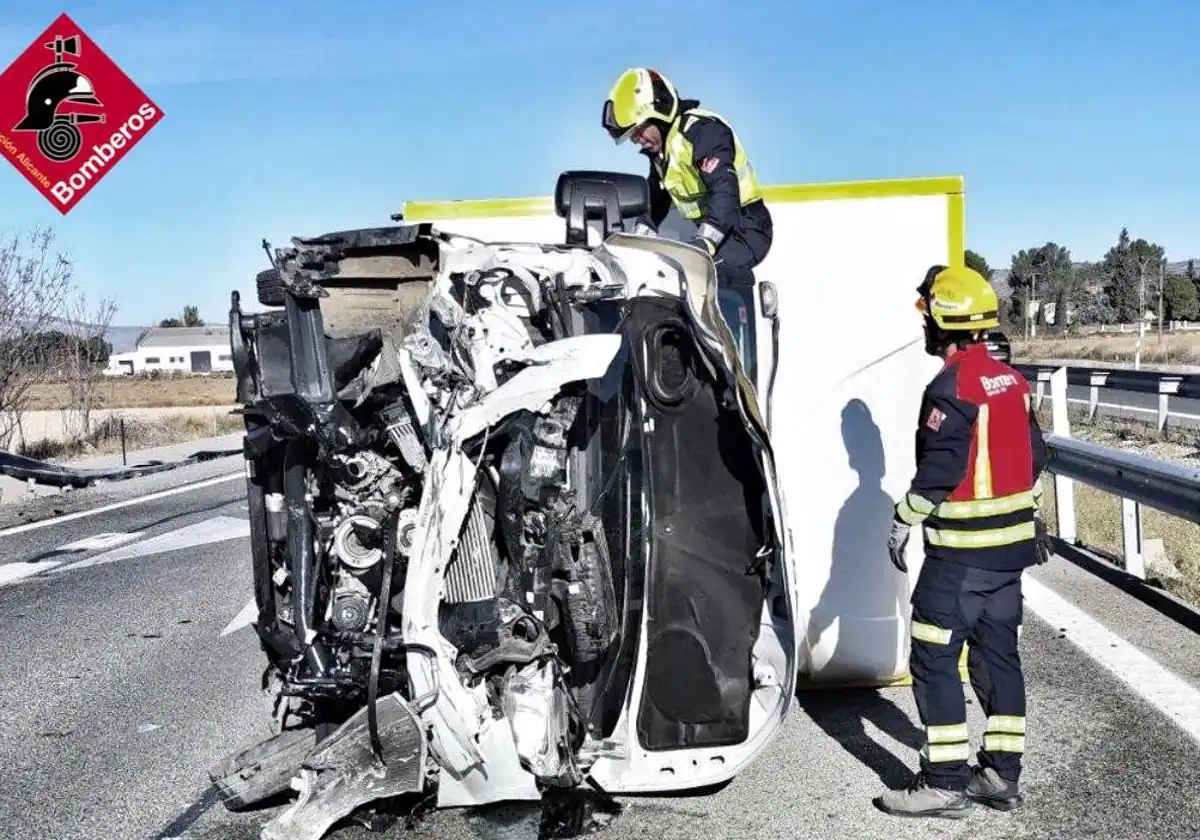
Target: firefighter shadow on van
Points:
(859, 607)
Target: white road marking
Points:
(124, 503)
(13, 572)
(243, 619)
(98, 542)
(1170, 694)
(217, 529)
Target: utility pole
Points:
(1161, 268)
(1137, 355)
(1030, 297)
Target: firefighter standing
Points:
(980, 453)
(698, 164)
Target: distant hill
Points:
(122, 338)
(1004, 290)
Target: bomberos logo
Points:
(68, 114)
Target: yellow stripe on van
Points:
(951, 185)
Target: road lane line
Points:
(13, 572)
(243, 619)
(1142, 409)
(98, 542)
(1172, 695)
(208, 531)
(124, 503)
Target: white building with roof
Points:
(176, 350)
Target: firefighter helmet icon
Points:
(56, 84)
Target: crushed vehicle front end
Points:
(514, 525)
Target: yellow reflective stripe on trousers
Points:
(974, 508)
(1004, 743)
(1005, 733)
(981, 539)
(947, 742)
(947, 733)
(1006, 723)
(930, 633)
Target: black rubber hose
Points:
(301, 554)
(391, 526)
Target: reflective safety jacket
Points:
(980, 452)
(703, 170)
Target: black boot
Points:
(988, 788)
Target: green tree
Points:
(191, 318)
(1180, 300)
(1040, 275)
(1088, 303)
(976, 261)
(1127, 268)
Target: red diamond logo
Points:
(68, 114)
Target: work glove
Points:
(1042, 545)
(704, 245)
(641, 228)
(897, 541)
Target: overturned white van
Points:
(535, 504)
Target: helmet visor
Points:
(619, 133)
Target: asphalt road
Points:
(119, 692)
(1138, 406)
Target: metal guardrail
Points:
(1162, 485)
(1165, 385)
(1185, 385)
(1137, 479)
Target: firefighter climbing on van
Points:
(698, 164)
(980, 453)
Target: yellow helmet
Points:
(958, 298)
(638, 95)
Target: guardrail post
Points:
(1064, 488)
(1131, 531)
(1043, 376)
(1097, 381)
(1167, 387)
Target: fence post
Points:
(1064, 488)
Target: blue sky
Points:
(1067, 119)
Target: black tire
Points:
(270, 287)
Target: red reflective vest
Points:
(979, 452)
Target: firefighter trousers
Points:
(953, 603)
(745, 247)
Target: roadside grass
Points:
(1098, 521)
(165, 391)
(1181, 348)
(140, 433)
